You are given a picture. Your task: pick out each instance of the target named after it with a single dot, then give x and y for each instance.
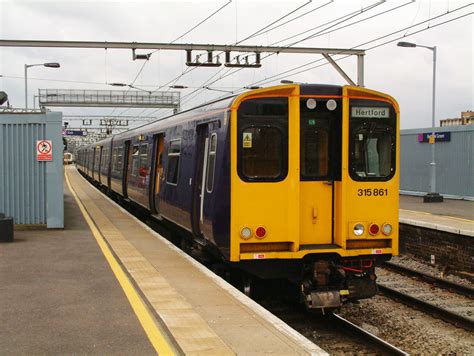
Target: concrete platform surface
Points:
(198, 311)
(58, 295)
(455, 216)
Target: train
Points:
(295, 182)
(68, 158)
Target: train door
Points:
(320, 160)
(157, 177)
(126, 168)
(199, 179)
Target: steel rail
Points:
(440, 282)
(384, 346)
(444, 314)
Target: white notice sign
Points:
(44, 150)
(368, 112)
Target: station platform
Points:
(454, 216)
(108, 284)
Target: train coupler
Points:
(323, 300)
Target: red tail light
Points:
(260, 232)
(374, 229)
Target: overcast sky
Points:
(404, 73)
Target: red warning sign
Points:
(44, 150)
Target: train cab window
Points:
(372, 143)
(263, 159)
(372, 153)
(135, 160)
(143, 166)
(262, 151)
(172, 170)
(211, 163)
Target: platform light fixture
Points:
(432, 195)
(47, 65)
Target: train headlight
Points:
(331, 105)
(374, 229)
(246, 233)
(387, 229)
(358, 229)
(311, 103)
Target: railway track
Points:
(443, 299)
(332, 332)
(383, 346)
(440, 282)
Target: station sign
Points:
(44, 150)
(438, 137)
(74, 133)
(370, 112)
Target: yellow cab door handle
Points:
(315, 214)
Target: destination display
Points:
(370, 112)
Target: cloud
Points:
(401, 72)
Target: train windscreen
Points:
(372, 140)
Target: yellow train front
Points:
(314, 188)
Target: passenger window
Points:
(262, 128)
(119, 159)
(97, 154)
(135, 160)
(172, 170)
(143, 167)
(114, 159)
(211, 163)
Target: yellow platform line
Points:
(440, 216)
(158, 341)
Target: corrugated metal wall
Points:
(454, 162)
(22, 185)
(25, 192)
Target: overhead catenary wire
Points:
(326, 32)
(429, 27)
(176, 39)
(289, 72)
(295, 18)
(235, 43)
(375, 40)
(341, 19)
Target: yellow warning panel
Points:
(247, 140)
(432, 139)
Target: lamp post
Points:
(49, 65)
(431, 196)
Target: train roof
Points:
(218, 106)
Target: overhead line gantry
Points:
(209, 48)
